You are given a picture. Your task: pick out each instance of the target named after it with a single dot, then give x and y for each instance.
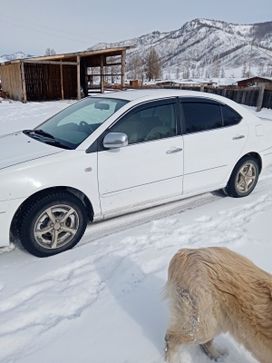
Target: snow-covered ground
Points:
(102, 301)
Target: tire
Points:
(244, 178)
(52, 224)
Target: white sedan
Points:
(112, 154)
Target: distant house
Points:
(256, 82)
(185, 83)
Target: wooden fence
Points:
(256, 97)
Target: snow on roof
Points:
(261, 77)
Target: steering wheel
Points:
(85, 125)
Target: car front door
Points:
(214, 137)
(149, 169)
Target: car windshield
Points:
(70, 127)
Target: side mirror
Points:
(115, 140)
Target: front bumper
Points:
(7, 212)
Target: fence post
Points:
(78, 78)
(260, 98)
(24, 95)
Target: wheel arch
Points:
(230, 189)
(77, 193)
(254, 155)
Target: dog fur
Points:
(214, 290)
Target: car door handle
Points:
(238, 137)
(174, 150)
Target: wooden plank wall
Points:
(70, 82)
(43, 82)
(11, 80)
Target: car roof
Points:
(153, 94)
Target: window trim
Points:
(241, 117)
(98, 144)
(183, 100)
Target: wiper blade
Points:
(56, 143)
(39, 132)
(45, 137)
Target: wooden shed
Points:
(256, 82)
(62, 76)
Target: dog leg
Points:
(170, 350)
(212, 352)
(173, 341)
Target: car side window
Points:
(230, 117)
(148, 123)
(201, 116)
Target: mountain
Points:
(17, 55)
(206, 48)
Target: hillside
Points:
(17, 55)
(201, 48)
(207, 48)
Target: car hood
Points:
(18, 148)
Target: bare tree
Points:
(50, 51)
(261, 70)
(177, 73)
(246, 72)
(186, 70)
(136, 68)
(222, 72)
(152, 65)
(216, 69)
(207, 73)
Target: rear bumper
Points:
(7, 212)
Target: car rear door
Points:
(214, 137)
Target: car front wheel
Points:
(243, 178)
(52, 224)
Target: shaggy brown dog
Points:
(214, 290)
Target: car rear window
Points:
(201, 116)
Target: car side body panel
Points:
(79, 168)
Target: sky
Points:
(32, 26)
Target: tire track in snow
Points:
(60, 295)
(66, 292)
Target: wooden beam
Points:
(61, 81)
(113, 64)
(51, 62)
(260, 98)
(123, 66)
(23, 83)
(78, 78)
(105, 74)
(101, 74)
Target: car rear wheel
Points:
(52, 224)
(243, 178)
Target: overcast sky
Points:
(70, 25)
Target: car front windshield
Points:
(74, 124)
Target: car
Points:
(119, 152)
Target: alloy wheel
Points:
(56, 226)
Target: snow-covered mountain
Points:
(17, 55)
(201, 48)
(207, 48)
